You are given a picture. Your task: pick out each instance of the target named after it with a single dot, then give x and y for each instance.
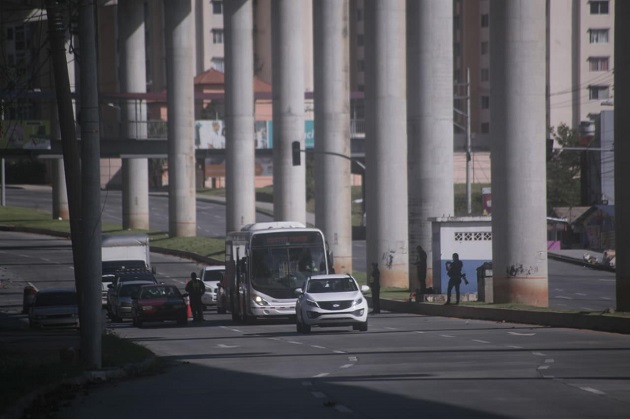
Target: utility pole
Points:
(468, 146)
(91, 313)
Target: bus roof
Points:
(272, 225)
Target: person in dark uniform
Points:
(421, 268)
(454, 271)
(375, 285)
(195, 289)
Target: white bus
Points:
(265, 263)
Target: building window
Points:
(485, 74)
(599, 7)
(484, 21)
(598, 64)
(361, 65)
(217, 7)
(485, 102)
(598, 36)
(598, 92)
(217, 36)
(485, 127)
(484, 48)
(218, 63)
(360, 40)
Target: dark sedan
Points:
(159, 302)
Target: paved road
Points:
(404, 366)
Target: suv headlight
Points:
(312, 303)
(357, 301)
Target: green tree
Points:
(564, 169)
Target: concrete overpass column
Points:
(622, 153)
(386, 141)
(289, 182)
(333, 212)
(430, 122)
(239, 114)
(180, 45)
(135, 171)
(60, 209)
(518, 132)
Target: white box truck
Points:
(119, 253)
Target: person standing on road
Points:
(375, 285)
(421, 268)
(195, 289)
(454, 271)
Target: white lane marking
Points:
(447, 336)
(273, 338)
(347, 366)
(318, 347)
(564, 298)
(543, 367)
(343, 409)
(221, 345)
(295, 342)
(607, 280)
(236, 330)
(318, 394)
(480, 341)
(605, 298)
(307, 383)
(418, 331)
(323, 374)
(538, 354)
(339, 352)
(179, 281)
(586, 309)
(592, 390)
(391, 328)
(513, 347)
(581, 294)
(549, 361)
(353, 359)
(521, 334)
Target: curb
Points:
(598, 322)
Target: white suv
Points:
(211, 276)
(331, 301)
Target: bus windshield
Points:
(278, 270)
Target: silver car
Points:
(54, 307)
(121, 299)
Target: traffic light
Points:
(549, 148)
(295, 149)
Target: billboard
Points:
(28, 134)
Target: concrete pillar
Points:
(622, 152)
(333, 212)
(239, 114)
(430, 123)
(180, 45)
(135, 171)
(60, 206)
(289, 182)
(386, 141)
(518, 132)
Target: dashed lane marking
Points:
(538, 354)
(339, 352)
(480, 341)
(343, 409)
(318, 394)
(592, 390)
(295, 342)
(521, 334)
(447, 336)
(318, 347)
(323, 374)
(347, 366)
(513, 347)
